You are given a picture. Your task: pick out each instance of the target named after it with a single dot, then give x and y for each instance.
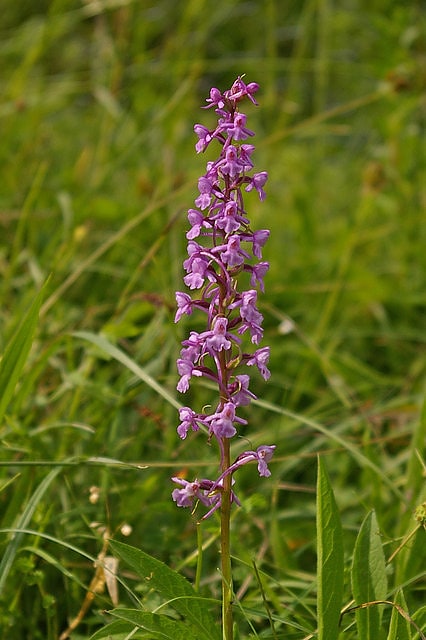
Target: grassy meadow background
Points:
(97, 103)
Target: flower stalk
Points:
(224, 270)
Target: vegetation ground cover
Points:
(97, 103)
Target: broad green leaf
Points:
(369, 581)
(16, 353)
(160, 626)
(172, 586)
(399, 628)
(330, 558)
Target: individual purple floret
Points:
(206, 491)
(221, 247)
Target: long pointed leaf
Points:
(369, 581)
(330, 558)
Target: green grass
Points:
(97, 104)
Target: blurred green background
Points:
(97, 104)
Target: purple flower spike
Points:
(221, 247)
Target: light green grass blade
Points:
(399, 628)
(330, 558)
(16, 354)
(333, 434)
(113, 351)
(369, 581)
(172, 586)
(419, 619)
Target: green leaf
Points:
(172, 586)
(330, 558)
(369, 581)
(16, 353)
(160, 626)
(140, 624)
(117, 630)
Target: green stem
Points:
(199, 557)
(227, 593)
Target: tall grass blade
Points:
(23, 520)
(104, 345)
(399, 628)
(330, 558)
(16, 354)
(369, 581)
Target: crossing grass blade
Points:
(330, 558)
(159, 626)
(22, 522)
